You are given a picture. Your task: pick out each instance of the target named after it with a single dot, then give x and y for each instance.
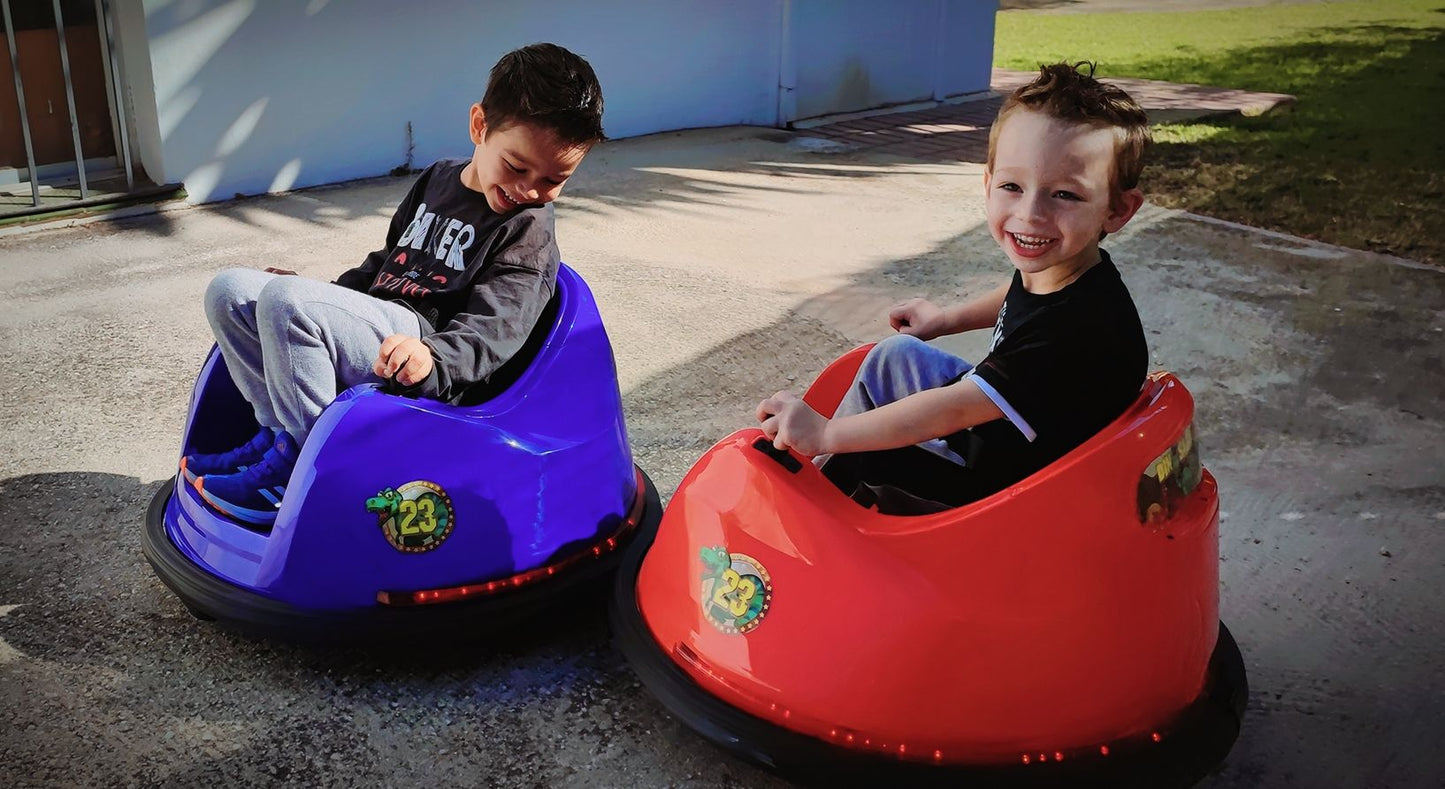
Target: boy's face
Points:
(519, 165)
(1048, 196)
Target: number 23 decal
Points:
(735, 592)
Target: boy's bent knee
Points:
(285, 294)
(893, 347)
(233, 287)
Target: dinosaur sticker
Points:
(415, 517)
(736, 591)
(1170, 479)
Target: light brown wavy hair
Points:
(1066, 92)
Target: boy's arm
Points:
(361, 277)
(922, 416)
(924, 320)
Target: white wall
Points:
(965, 46)
(849, 55)
(139, 99)
(266, 95)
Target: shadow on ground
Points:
(1347, 164)
(117, 668)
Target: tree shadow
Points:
(633, 173)
(1034, 5)
(97, 656)
(1347, 164)
(101, 577)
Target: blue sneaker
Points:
(229, 462)
(253, 495)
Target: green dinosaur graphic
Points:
(386, 502)
(715, 560)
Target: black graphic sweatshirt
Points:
(478, 279)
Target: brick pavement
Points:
(959, 131)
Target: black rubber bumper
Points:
(211, 598)
(1198, 740)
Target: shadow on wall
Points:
(208, 65)
(240, 109)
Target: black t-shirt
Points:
(1063, 366)
(478, 279)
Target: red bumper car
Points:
(1063, 631)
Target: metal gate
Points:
(63, 131)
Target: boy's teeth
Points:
(1031, 241)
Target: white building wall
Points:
(850, 55)
(965, 47)
(253, 96)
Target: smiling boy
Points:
(1068, 352)
(469, 263)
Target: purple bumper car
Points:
(407, 517)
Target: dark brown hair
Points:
(1065, 92)
(549, 87)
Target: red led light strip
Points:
(482, 589)
(1028, 758)
(859, 741)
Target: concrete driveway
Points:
(728, 263)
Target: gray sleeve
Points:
(503, 306)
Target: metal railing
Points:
(113, 88)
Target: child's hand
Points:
(918, 317)
(408, 358)
(790, 423)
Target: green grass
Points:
(1359, 160)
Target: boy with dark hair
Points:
(469, 263)
(1068, 352)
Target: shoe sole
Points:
(192, 476)
(233, 511)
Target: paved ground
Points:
(727, 263)
(958, 130)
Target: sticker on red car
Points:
(736, 590)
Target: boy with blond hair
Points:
(1068, 352)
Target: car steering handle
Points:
(392, 386)
(785, 458)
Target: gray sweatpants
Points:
(293, 343)
(897, 367)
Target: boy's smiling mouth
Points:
(1030, 245)
(507, 199)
